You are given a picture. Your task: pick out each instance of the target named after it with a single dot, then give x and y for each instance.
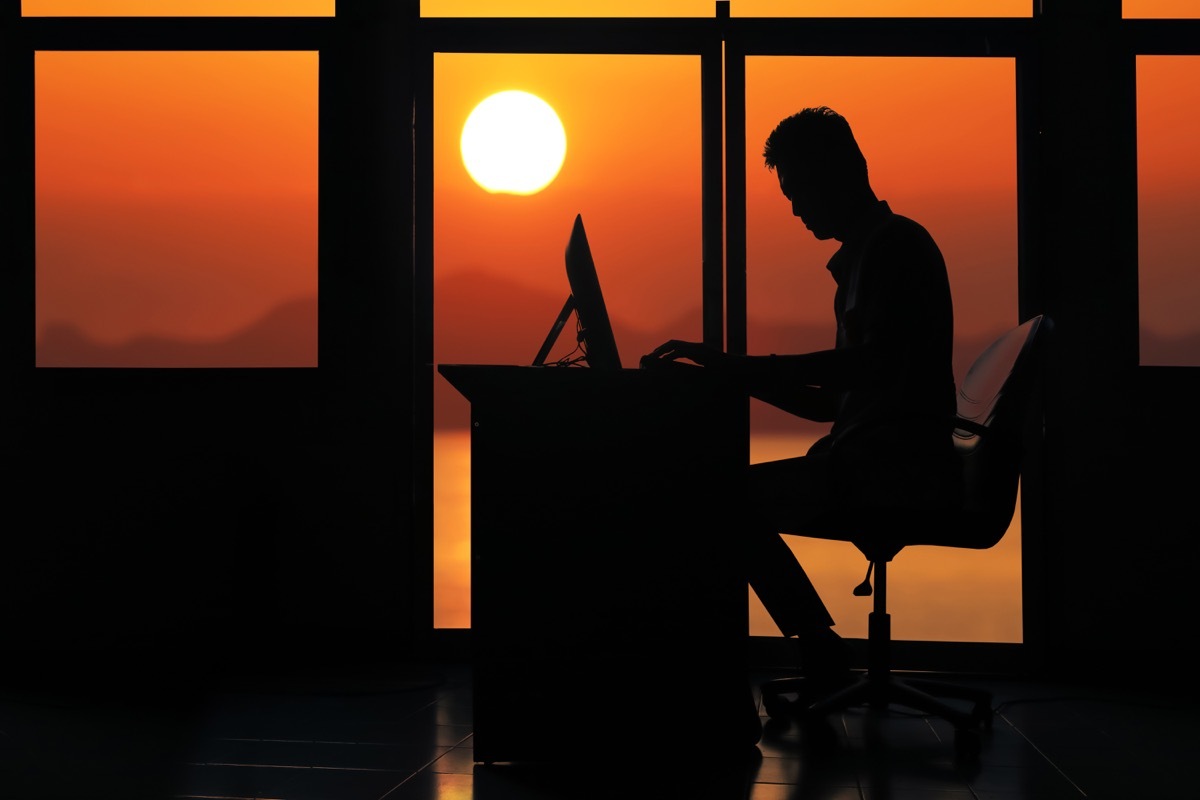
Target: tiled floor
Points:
(406, 734)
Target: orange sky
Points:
(1169, 197)
(176, 195)
(177, 8)
(632, 170)
(177, 192)
(744, 8)
(436, 8)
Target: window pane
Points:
(1161, 9)
(631, 169)
(176, 209)
(1168, 204)
(556, 8)
(177, 8)
(737, 8)
(881, 8)
(939, 136)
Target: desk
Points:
(606, 579)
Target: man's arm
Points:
(808, 402)
(807, 385)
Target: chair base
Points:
(882, 689)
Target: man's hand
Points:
(675, 349)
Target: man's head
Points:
(821, 170)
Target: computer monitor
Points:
(595, 335)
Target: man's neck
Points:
(862, 218)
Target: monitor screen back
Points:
(596, 335)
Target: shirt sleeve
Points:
(897, 317)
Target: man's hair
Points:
(816, 136)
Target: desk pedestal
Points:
(606, 574)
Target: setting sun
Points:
(513, 143)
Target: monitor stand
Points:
(555, 330)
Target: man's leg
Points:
(783, 586)
(788, 495)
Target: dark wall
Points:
(1108, 552)
(261, 511)
(227, 505)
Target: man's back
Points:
(895, 325)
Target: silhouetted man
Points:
(887, 386)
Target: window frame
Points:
(30, 35)
(723, 44)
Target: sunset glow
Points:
(737, 8)
(1163, 9)
(177, 197)
(176, 208)
(634, 175)
(514, 143)
(1168, 203)
(1160, 9)
(177, 8)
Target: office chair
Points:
(993, 401)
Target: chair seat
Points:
(881, 533)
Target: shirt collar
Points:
(859, 232)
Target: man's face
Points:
(804, 189)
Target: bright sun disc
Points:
(513, 142)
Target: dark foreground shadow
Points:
(631, 777)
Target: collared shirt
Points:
(892, 364)
(895, 326)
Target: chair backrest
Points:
(993, 401)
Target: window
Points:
(176, 209)
(177, 8)
(1168, 90)
(737, 8)
(1160, 9)
(939, 136)
(632, 170)
(880, 8)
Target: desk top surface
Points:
(555, 372)
(684, 385)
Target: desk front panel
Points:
(604, 547)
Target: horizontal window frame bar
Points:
(894, 37)
(176, 33)
(569, 36)
(1158, 37)
(843, 36)
(899, 36)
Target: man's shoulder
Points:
(902, 225)
(901, 231)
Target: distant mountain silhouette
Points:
(482, 318)
(284, 337)
(1174, 351)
